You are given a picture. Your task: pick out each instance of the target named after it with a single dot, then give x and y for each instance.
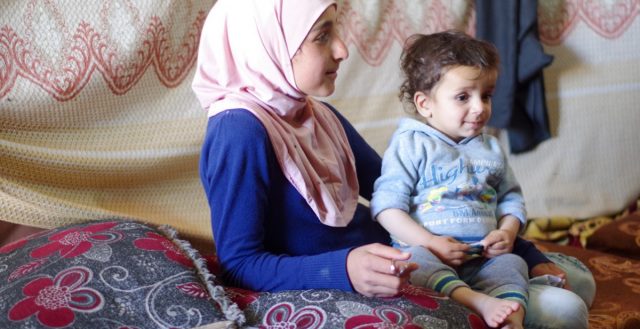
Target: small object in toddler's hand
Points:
(476, 249)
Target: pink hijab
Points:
(244, 61)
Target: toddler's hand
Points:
(497, 242)
(450, 251)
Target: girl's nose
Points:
(340, 51)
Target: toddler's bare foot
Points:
(515, 320)
(494, 311)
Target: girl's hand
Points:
(375, 270)
(449, 250)
(551, 269)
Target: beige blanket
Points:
(97, 117)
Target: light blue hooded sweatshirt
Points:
(452, 189)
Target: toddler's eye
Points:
(462, 97)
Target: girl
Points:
(282, 171)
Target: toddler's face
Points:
(459, 105)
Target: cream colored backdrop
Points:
(97, 118)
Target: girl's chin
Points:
(323, 91)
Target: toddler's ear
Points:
(421, 101)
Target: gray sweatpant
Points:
(505, 276)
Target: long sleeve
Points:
(394, 187)
(510, 199)
(267, 237)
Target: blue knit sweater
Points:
(267, 237)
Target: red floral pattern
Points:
(54, 301)
(194, 289)
(25, 269)
(476, 322)
(157, 242)
(283, 315)
(91, 274)
(349, 310)
(76, 241)
(422, 296)
(382, 317)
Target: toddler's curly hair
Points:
(426, 58)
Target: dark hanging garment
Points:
(519, 104)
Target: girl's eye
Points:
(487, 97)
(462, 97)
(323, 37)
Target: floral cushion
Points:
(123, 274)
(107, 274)
(310, 309)
(416, 308)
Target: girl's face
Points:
(315, 64)
(459, 106)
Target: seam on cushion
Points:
(230, 309)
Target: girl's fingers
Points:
(382, 285)
(387, 252)
(373, 269)
(402, 268)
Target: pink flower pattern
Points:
(54, 301)
(283, 315)
(86, 275)
(422, 296)
(194, 289)
(25, 269)
(157, 242)
(382, 317)
(63, 300)
(76, 241)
